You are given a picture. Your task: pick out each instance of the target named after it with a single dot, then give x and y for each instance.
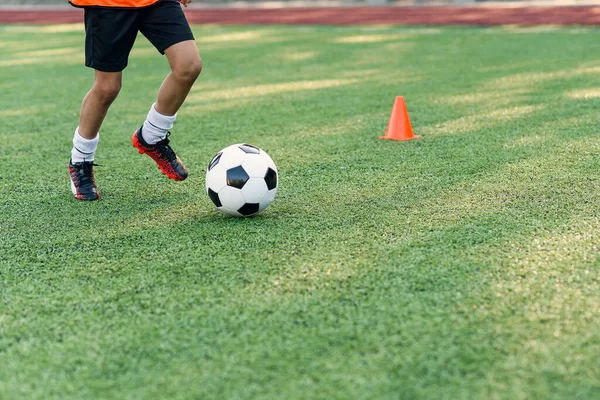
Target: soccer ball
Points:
(241, 180)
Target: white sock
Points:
(156, 126)
(83, 149)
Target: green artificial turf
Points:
(460, 265)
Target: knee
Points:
(189, 70)
(107, 91)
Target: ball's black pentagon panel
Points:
(237, 177)
(271, 179)
(249, 149)
(214, 196)
(249, 209)
(214, 161)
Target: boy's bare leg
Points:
(94, 107)
(186, 66)
(97, 102)
(152, 139)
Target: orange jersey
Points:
(113, 3)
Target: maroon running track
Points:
(474, 16)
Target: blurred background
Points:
(329, 3)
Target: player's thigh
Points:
(110, 35)
(165, 24)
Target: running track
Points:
(584, 15)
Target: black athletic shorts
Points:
(111, 32)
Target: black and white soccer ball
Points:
(241, 180)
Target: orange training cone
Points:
(399, 127)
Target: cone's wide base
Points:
(408, 138)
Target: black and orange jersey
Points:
(113, 3)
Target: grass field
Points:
(461, 265)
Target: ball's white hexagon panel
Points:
(255, 165)
(231, 198)
(216, 178)
(267, 199)
(254, 190)
(232, 157)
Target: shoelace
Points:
(85, 173)
(166, 150)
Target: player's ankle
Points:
(83, 149)
(156, 126)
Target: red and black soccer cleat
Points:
(83, 184)
(163, 154)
